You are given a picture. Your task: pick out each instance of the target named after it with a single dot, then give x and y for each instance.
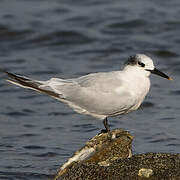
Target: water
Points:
(67, 39)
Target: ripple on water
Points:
(162, 138)
(124, 28)
(23, 176)
(61, 38)
(16, 114)
(175, 92)
(84, 128)
(12, 62)
(34, 147)
(11, 35)
(166, 53)
(60, 113)
(28, 135)
(147, 104)
(47, 154)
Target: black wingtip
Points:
(5, 72)
(13, 75)
(27, 83)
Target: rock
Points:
(145, 172)
(109, 157)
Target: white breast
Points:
(138, 86)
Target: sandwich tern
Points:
(102, 94)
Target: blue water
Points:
(44, 39)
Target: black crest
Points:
(132, 60)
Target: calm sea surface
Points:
(44, 39)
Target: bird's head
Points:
(145, 64)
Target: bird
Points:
(102, 94)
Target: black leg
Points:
(106, 125)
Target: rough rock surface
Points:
(112, 159)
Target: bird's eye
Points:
(141, 64)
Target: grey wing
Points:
(83, 86)
(100, 93)
(104, 81)
(99, 82)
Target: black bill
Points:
(157, 72)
